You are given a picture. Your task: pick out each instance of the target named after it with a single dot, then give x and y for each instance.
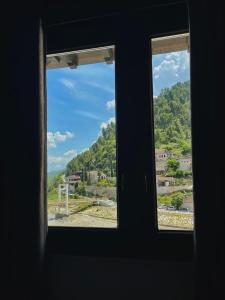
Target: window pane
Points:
(172, 130)
(81, 139)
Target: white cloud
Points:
(77, 89)
(68, 83)
(60, 161)
(87, 114)
(105, 124)
(110, 104)
(100, 86)
(53, 138)
(173, 63)
(70, 153)
(165, 66)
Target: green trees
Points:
(172, 166)
(80, 189)
(173, 119)
(101, 156)
(106, 182)
(55, 181)
(177, 200)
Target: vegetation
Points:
(173, 119)
(80, 188)
(172, 167)
(81, 207)
(53, 174)
(173, 170)
(101, 156)
(55, 181)
(172, 132)
(52, 195)
(174, 199)
(177, 200)
(106, 182)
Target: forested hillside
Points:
(172, 132)
(173, 119)
(100, 156)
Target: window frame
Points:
(131, 34)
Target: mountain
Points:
(100, 156)
(53, 174)
(172, 132)
(173, 119)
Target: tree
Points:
(177, 200)
(101, 156)
(164, 200)
(172, 166)
(80, 189)
(173, 118)
(55, 181)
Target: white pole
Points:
(67, 199)
(59, 197)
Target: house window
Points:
(172, 131)
(81, 138)
(134, 230)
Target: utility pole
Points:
(59, 197)
(67, 198)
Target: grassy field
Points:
(52, 196)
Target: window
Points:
(139, 229)
(172, 131)
(82, 138)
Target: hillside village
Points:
(97, 184)
(161, 157)
(169, 184)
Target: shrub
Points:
(105, 183)
(80, 189)
(164, 200)
(188, 173)
(75, 196)
(177, 200)
(179, 173)
(179, 181)
(172, 165)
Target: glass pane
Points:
(172, 130)
(81, 138)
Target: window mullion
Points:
(134, 126)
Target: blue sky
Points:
(81, 101)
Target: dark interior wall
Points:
(77, 277)
(21, 154)
(57, 12)
(105, 278)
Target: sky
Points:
(80, 102)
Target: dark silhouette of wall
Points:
(71, 276)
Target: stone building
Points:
(185, 163)
(165, 181)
